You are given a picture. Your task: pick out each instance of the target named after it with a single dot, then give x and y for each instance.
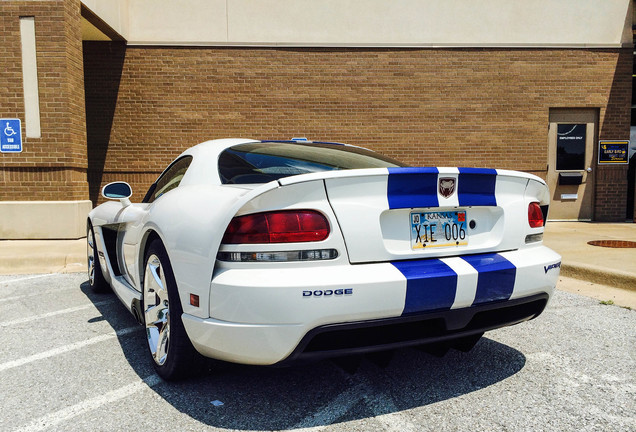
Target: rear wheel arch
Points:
(170, 348)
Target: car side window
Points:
(169, 180)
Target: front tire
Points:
(172, 353)
(95, 276)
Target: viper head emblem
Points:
(446, 186)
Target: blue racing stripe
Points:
(412, 187)
(496, 278)
(476, 187)
(430, 285)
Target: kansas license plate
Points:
(438, 229)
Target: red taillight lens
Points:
(277, 227)
(535, 215)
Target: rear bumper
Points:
(374, 335)
(266, 316)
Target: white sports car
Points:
(268, 252)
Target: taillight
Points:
(287, 226)
(535, 215)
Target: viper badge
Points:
(446, 186)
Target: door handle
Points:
(589, 169)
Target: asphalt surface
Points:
(73, 360)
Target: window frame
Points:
(151, 195)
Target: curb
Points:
(42, 256)
(600, 275)
(43, 263)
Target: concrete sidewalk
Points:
(601, 265)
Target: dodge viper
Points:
(270, 252)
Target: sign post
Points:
(10, 136)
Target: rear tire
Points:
(171, 351)
(95, 276)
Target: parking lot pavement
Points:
(73, 360)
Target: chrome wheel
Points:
(95, 276)
(156, 310)
(173, 355)
(91, 255)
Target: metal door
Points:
(572, 163)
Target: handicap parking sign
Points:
(10, 136)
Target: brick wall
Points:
(52, 167)
(466, 107)
(611, 194)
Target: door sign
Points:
(571, 142)
(613, 152)
(10, 136)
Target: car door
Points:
(134, 219)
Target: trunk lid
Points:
(387, 214)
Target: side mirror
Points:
(118, 190)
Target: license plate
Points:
(438, 229)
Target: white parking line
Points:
(55, 418)
(27, 278)
(66, 348)
(382, 406)
(387, 413)
(20, 297)
(336, 408)
(50, 314)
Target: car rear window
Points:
(264, 162)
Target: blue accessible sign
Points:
(10, 136)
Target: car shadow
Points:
(320, 393)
